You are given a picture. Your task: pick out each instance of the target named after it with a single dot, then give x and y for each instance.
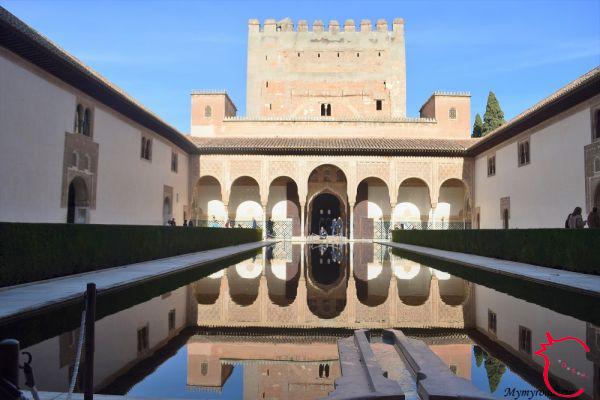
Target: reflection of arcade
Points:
(288, 368)
(372, 276)
(334, 286)
(244, 281)
(327, 280)
(282, 277)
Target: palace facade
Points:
(326, 136)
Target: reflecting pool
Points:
(266, 326)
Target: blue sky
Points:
(159, 51)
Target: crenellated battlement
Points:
(333, 26)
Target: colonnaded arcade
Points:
(369, 193)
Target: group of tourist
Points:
(337, 228)
(172, 222)
(575, 219)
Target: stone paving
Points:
(17, 301)
(583, 283)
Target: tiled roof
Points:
(26, 42)
(577, 91)
(341, 146)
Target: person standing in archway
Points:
(340, 227)
(593, 219)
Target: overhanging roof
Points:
(21, 39)
(577, 91)
(333, 146)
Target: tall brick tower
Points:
(344, 72)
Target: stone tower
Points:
(342, 72)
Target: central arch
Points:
(324, 207)
(327, 199)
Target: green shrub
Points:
(32, 252)
(569, 249)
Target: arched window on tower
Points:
(329, 110)
(207, 111)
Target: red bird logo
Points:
(541, 351)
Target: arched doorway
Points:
(77, 202)
(327, 199)
(325, 208)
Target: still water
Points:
(266, 327)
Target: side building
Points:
(75, 148)
(534, 170)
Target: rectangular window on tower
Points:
(379, 105)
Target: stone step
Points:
(433, 378)
(362, 376)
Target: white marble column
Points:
(264, 220)
(351, 221)
(302, 218)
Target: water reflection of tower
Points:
(327, 280)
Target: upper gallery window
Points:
(597, 124)
(174, 161)
(146, 151)
(492, 321)
(525, 339)
(79, 119)
(83, 120)
(378, 105)
(452, 113)
(524, 155)
(491, 165)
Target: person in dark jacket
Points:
(340, 226)
(593, 219)
(575, 220)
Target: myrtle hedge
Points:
(568, 249)
(32, 252)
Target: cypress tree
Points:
(494, 369)
(493, 117)
(477, 127)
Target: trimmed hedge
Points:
(568, 249)
(32, 252)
